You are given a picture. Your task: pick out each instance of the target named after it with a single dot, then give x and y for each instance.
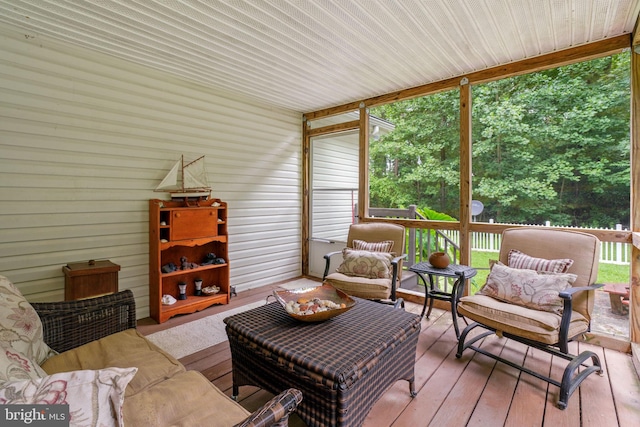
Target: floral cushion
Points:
(94, 397)
(16, 366)
(517, 259)
(20, 326)
(384, 246)
(371, 265)
(527, 288)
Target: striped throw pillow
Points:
(361, 245)
(521, 260)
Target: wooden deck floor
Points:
(471, 391)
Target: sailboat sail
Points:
(195, 175)
(170, 182)
(188, 180)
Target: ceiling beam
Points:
(581, 53)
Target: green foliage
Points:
(553, 145)
(427, 240)
(434, 215)
(424, 168)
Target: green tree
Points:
(552, 145)
(418, 163)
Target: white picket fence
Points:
(610, 252)
(419, 240)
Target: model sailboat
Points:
(186, 181)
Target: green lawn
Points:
(607, 273)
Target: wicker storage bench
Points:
(342, 365)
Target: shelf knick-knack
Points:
(182, 287)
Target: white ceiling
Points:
(307, 55)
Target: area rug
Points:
(191, 337)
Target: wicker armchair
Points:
(70, 324)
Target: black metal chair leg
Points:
(426, 293)
(431, 299)
(571, 378)
(462, 345)
(454, 315)
(570, 381)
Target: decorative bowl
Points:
(323, 292)
(439, 260)
(211, 290)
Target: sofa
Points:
(89, 355)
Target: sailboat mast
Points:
(182, 173)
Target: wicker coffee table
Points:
(342, 365)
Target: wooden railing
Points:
(420, 242)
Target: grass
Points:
(607, 273)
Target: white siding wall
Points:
(84, 140)
(334, 177)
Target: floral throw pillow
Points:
(20, 326)
(371, 265)
(527, 288)
(384, 246)
(16, 366)
(94, 397)
(517, 259)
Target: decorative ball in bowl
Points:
(314, 304)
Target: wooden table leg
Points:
(617, 291)
(616, 304)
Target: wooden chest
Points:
(89, 279)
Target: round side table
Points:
(461, 272)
